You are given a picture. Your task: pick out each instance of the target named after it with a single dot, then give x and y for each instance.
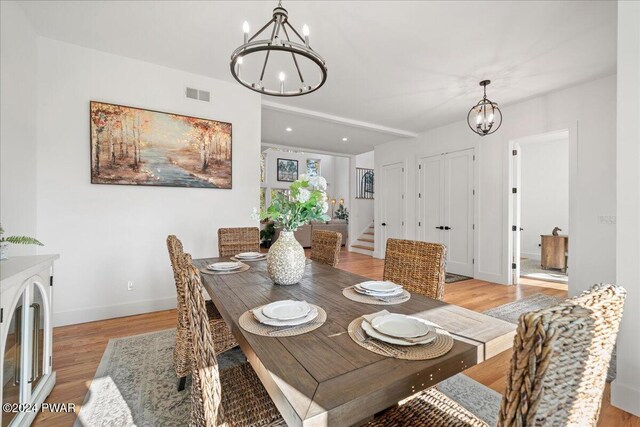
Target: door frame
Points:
(476, 204)
(510, 202)
(378, 221)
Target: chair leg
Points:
(181, 383)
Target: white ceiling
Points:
(404, 65)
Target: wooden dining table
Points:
(323, 378)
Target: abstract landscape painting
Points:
(132, 146)
(313, 167)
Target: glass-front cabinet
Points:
(26, 333)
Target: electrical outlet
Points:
(129, 285)
(607, 219)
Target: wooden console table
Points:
(554, 251)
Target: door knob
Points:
(384, 224)
(440, 228)
(447, 228)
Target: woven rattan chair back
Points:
(182, 350)
(418, 266)
(206, 410)
(231, 241)
(325, 247)
(560, 360)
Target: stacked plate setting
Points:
(224, 266)
(379, 289)
(399, 329)
(250, 256)
(285, 313)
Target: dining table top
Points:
(323, 378)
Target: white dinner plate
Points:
(224, 266)
(260, 317)
(286, 310)
(399, 341)
(249, 255)
(394, 293)
(400, 326)
(377, 286)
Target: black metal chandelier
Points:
(485, 117)
(268, 73)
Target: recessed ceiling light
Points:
(288, 129)
(345, 139)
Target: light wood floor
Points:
(77, 349)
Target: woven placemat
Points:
(264, 258)
(358, 297)
(440, 346)
(244, 267)
(250, 324)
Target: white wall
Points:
(18, 98)
(110, 234)
(333, 168)
(625, 390)
(544, 190)
(593, 245)
(366, 160)
(341, 180)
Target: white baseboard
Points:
(625, 397)
(530, 255)
(91, 314)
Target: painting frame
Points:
(282, 174)
(199, 178)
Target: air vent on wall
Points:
(201, 95)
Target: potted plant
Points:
(306, 202)
(267, 233)
(342, 213)
(16, 240)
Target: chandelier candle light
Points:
(485, 117)
(295, 55)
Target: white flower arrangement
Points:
(307, 201)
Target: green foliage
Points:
(306, 202)
(268, 232)
(19, 240)
(341, 213)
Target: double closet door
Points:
(445, 206)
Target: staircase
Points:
(365, 243)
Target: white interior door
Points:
(516, 229)
(458, 211)
(430, 225)
(393, 190)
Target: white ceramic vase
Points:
(4, 250)
(286, 260)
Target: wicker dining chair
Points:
(231, 241)
(325, 247)
(233, 397)
(182, 350)
(557, 375)
(418, 266)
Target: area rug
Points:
(511, 313)
(453, 278)
(135, 384)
